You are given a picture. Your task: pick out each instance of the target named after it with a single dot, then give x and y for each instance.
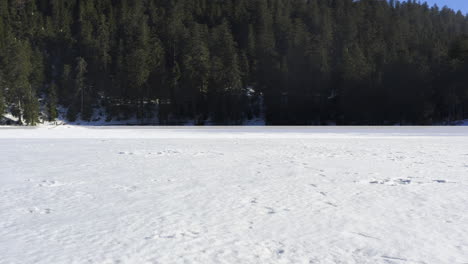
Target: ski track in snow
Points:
(236, 198)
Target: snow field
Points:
(77, 195)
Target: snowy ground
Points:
(248, 195)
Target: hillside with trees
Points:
(302, 62)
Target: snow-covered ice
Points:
(233, 195)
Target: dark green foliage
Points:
(459, 49)
(314, 61)
(31, 109)
(52, 102)
(82, 90)
(20, 79)
(2, 102)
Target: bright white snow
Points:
(226, 195)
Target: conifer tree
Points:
(31, 108)
(18, 73)
(52, 113)
(81, 88)
(196, 61)
(225, 72)
(2, 99)
(226, 77)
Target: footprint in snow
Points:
(39, 211)
(394, 258)
(443, 181)
(208, 153)
(365, 235)
(403, 181)
(331, 204)
(49, 183)
(270, 210)
(440, 181)
(376, 182)
(125, 188)
(392, 182)
(173, 235)
(84, 195)
(168, 152)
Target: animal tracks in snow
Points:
(170, 153)
(403, 181)
(166, 152)
(50, 183)
(389, 258)
(47, 183)
(392, 182)
(207, 153)
(128, 189)
(366, 235)
(125, 153)
(268, 210)
(36, 210)
(440, 181)
(178, 234)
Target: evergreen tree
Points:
(226, 77)
(225, 71)
(18, 73)
(79, 102)
(31, 108)
(52, 102)
(81, 88)
(196, 72)
(2, 99)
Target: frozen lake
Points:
(234, 195)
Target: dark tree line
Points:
(311, 61)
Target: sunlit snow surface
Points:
(226, 195)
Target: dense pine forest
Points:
(227, 61)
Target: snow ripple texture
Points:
(233, 196)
